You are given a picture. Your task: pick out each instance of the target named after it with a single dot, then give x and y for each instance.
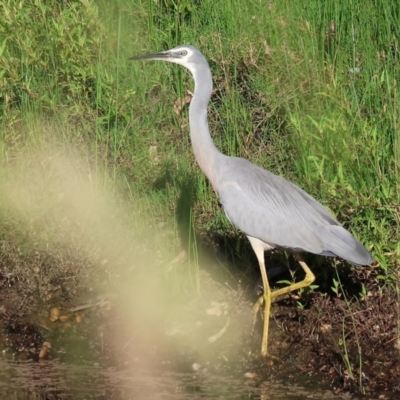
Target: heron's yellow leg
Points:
(258, 248)
(269, 295)
(256, 308)
(267, 309)
(265, 299)
(307, 281)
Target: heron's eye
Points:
(184, 53)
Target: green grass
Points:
(288, 97)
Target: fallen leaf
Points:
(180, 103)
(44, 351)
(54, 314)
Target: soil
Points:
(347, 344)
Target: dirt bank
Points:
(350, 344)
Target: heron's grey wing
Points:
(279, 213)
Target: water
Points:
(54, 379)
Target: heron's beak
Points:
(162, 56)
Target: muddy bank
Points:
(347, 347)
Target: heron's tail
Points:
(338, 241)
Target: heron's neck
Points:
(203, 146)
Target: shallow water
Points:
(87, 380)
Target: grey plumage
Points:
(270, 210)
(293, 219)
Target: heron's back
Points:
(279, 213)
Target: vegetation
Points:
(308, 90)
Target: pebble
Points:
(196, 367)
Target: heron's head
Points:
(187, 56)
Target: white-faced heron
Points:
(271, 211)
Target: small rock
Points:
(196, 367)
(44, 351)
(54, 314)
(325, 328)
